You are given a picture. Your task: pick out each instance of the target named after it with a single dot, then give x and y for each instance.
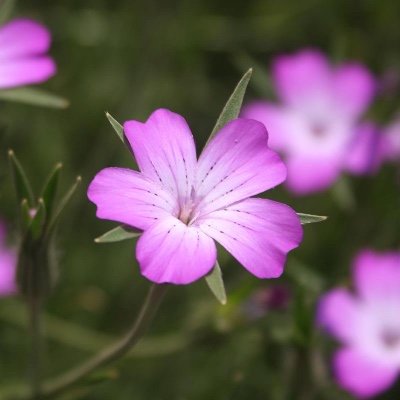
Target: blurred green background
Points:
(129, 58)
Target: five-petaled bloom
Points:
(316, 125)
(8, 261)
(368, 324)
(23, 59)
(183, 204)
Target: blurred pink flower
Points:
(367, 150)
(367, 323)
(183, 204)
(392, 141)
(8, 261)
(23, 59)
(316, 122)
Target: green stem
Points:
(36, 346)
(111, 353)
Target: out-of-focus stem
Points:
(111, 353)
(34, 308)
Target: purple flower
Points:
(367, 323)
(8, 260)
(367, 150)
(315, 124)
(392, 141)
(183, 204)
(23, 59)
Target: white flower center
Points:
(187, 210)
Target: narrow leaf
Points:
(33, 96)
(116, 235)
(233, 105)
(38, 220)
(26, 216)
(310, 219)
(118, 128)
(260, 80)
(21, 183)
(64, 201)
(216, 284)
(50, 189)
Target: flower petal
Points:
(276, 121)
(26, 71)
(337, 313)
(172, 252)
(23, 37)
(307, 175)
(257, 232)
(354, 88)
(303, 80)
(361, 376)
(391, 141)
(377, 275)
(8, 261)
(235, 165)
(164, 150)
(127, 196)
(366, 151)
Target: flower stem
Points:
(34, 306)
(114, 351)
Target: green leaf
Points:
(38, 220)
(118, 128)
(64, 201)
(260, 80)
(310, 219)
(233, 105)
(116, 235)
(33, 96)
(25, 213)
(216, 284)
(21, 183)
(50, 189)
(6, 9)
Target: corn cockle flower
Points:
(183, 204)
(8, 260)
(392, 141)
(23, 59)
(367, 323)
(368, 150)
(315, 124)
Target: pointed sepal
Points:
(216, 283)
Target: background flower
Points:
(367, 323)
(392, 141)
(23, 47)
(315, 124)
(8, 261)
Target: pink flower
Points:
(8, 262)
(392, 141)
(23, 59)
(183, 204)
(367, 150)
(315, 124)
(367, 323)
